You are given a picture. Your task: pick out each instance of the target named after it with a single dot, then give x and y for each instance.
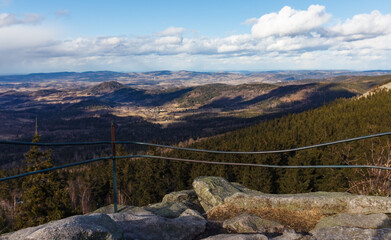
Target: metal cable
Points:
(54, 168)
(53, 144)
(200, 150)
(261, 165)
(192, 161)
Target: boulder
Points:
(94, 226)
(248, 223)
(135, 223)
(142, 224)
(216, 191)
(188, 197)
(223, 200)
(291, 235)
(212, 191)
(324, 202)
(347, 233)
(181, 196)
(373, 221)
(167, 209)
(110, 209)
(238, 237)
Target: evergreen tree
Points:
(45, 196)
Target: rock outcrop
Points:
(238, 237)
(216, 192)
(248, 223)
(135, 223)
(353, 226)
(346, 233)
(232, 211)
(372, 221)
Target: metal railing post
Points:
(114, 167)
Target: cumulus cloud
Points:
(7, 19)
(289, 21)
(363, 25)
(171, 31)
(286, 39)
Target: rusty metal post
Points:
(114, 166)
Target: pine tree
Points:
(45, 196)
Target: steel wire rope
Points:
(191, 161)
(199, 150)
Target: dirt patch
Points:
(300, 221)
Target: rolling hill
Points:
(166, 115)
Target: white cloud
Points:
(300, 43)
(287, 39)
(171, 31)
(169, 40)
(250, 21)
(289, 21)
(7, 19)
(364, 25)
(25, 38)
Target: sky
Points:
(213, 35)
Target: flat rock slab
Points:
(135, 223)
(94, 226)
(167, 209)
(346, 233)
(248, 223)
(214, 192)
(238, 237)
(371, 221)
(291, 235)
(324, 202)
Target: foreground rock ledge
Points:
(135, 223)
(230, 208)
(216, 192)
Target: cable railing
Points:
(114, 157)
(195, 149)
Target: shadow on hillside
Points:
(319, 96)
(142, 97)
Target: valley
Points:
(81, 106)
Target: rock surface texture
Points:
(215, 192)
(248, 223)
(136, 223)
(232, 211)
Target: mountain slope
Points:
(338, 120)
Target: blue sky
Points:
(67, 35)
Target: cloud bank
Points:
(288, 39)
(7, 19)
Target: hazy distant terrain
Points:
(163, 106)
(170, 78)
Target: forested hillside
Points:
(338, 120)
(143, 181)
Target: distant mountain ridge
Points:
(186, 78)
